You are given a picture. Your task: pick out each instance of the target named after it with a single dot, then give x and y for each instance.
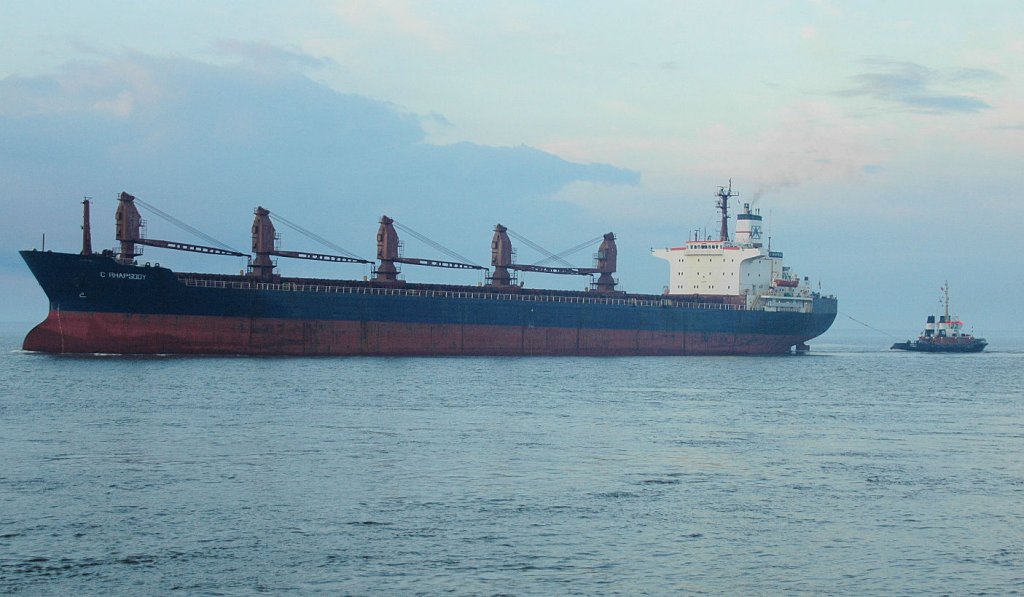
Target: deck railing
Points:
(456, 294)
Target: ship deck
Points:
(721, 302)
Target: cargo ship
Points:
(726, 296)
(944, 335)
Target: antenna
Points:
(723, 204)
(945, 297)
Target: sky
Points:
(882, 141)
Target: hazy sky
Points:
(884, 140)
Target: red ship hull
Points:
(120, 333)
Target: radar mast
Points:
(724, 193)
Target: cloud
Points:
(813, 142)
(922, 89)
(208, 143)
(267, 55)
(393, 17)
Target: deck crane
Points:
(389, 253)
(264, 244)
(129, 224)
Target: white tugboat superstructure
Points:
(743, 268)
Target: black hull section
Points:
(975, 346)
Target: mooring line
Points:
(851, 318)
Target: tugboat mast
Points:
(945, 297)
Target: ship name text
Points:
(122, 276)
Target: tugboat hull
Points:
(975, 346)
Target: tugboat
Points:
(944, 336)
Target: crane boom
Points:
(317, 256)
(570, 271)
(436, 263)
(170, 244)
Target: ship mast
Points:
(945, 297)
(723, 204)
(86, 228)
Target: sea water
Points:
(853, 470)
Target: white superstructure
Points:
(743, 267)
